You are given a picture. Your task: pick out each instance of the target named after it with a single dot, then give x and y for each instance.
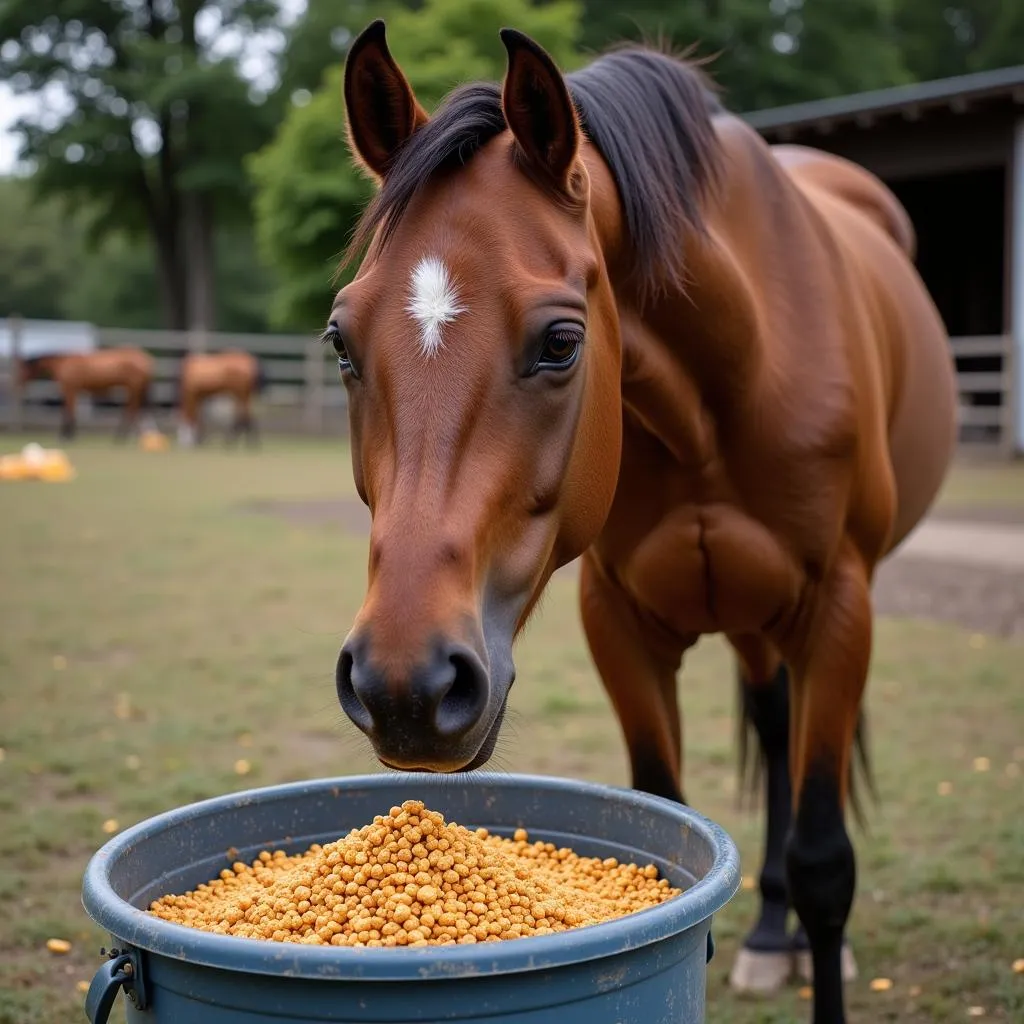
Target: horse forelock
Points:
(647, 112)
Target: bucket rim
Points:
(141, 930)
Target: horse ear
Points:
(538, 107)
(382, 110)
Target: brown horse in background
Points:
(206, 374)
(598, 315)
(94, 373)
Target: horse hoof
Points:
(848, 964)
(760, 973)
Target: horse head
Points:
(33, 368)
(479, 345)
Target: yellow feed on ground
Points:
(412, 879)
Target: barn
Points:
(953, 152)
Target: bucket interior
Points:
(197, 848)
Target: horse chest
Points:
(709, 569)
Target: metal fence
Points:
(303, 393)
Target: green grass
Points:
(985, 482)
(154, 631)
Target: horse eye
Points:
(332, 336)
(562, 344)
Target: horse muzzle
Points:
(437, 715)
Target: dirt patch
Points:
(985, 599)
(348, 513)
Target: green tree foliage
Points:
(308, 191)
(38, 251)
(152, 120)
(766, 52)
(771, 52)
(51, 270)
(939, 40)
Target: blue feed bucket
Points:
(647, 967)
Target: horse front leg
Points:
(830, 665)
(68, 425)
(134, 400)
(638, 669)
(765, 962)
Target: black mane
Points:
(647, 112)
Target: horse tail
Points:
(751, 767)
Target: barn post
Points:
(17, 390)
(313, 398)
(1016, 229)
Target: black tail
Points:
(750, 768)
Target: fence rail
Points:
(987, 401)
(303, 392)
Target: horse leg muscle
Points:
(765, 962)
(638, 671)
(830, 668)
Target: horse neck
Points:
(709, 337)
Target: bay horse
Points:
(203, 375)
(595, 315)
(94, 373)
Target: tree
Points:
(35, 267)
(957, 38)
(309, 194)
(151, 121)
(767, 52)
(48, 272)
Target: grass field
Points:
(156, 630)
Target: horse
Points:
(94, 373)
(233, 372)
(597, 316)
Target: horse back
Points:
(813, 169)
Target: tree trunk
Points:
(199, 268)
(163, 234)
(172, 297)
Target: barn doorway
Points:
(960, 220)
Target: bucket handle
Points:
(120, 971)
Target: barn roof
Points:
(957, 94)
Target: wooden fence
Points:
(304, 393)
(988, 401)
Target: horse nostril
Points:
(348, 696)
(465, 698)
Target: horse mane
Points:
(648, 113)
(39, 357)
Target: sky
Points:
(257, 65)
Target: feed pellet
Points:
(412, 879)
